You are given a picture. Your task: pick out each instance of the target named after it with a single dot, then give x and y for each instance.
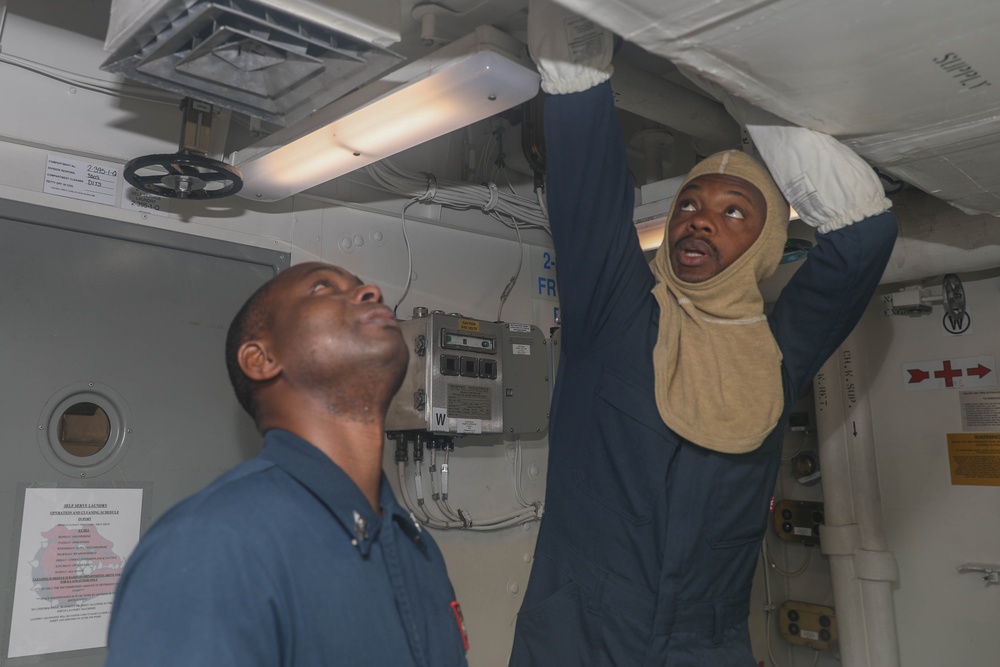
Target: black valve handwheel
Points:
(183, 176)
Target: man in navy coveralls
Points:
(674, 387)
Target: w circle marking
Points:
(956, 325)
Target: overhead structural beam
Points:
(667, 103)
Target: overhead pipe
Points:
(861, 566)
(936, 238)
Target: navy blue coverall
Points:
(649, 543)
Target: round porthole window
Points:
(82, 429)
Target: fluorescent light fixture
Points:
(651, 233)
(471, 79)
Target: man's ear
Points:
(257, 362)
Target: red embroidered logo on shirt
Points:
(460, 620)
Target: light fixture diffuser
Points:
(466, 81)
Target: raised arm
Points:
(836, 192)
(600, 268)
(826, 297)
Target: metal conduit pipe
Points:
(874, 564)
(839, 526)
(936, 238)
(861, 566)
(675, 106)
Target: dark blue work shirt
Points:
(283, 562)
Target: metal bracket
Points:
(991, 571)
(914, 300)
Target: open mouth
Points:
(694, 252)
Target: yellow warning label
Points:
(974, 458)
(469, 325)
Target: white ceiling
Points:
(857, 70)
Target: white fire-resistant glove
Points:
(572, 53)
(826, 182)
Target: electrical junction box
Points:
(468, 376)
(805, 624)
(798, 521)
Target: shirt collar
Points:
(338, 492)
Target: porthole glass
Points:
(84, 429)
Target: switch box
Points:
(805, 624)
(798, 521)
(468, 376)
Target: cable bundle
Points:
(446, 518)
(426, 188)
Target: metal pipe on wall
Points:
(838, 535)
(936, 238)
(861, 566)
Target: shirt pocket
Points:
(623, 466)
(740, 500)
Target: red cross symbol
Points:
(948, 373)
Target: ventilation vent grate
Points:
(251, 58)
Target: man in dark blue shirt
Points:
(301, 556)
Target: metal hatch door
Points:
(124, 327)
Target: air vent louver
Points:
(248, 57)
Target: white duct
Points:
(915, 96)
(935, 238)
(862, 567)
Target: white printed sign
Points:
(134, 199)
(980, 409)
(87, 180)
(74, 543)
(468, 426)
(963, 372)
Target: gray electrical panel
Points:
(469, 376)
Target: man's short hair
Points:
(252, 320)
